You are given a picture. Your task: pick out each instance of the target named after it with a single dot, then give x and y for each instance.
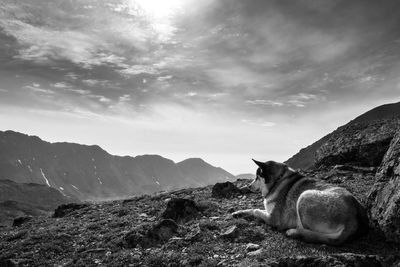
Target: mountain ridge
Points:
(89, 172)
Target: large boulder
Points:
(360, 144)
(384, 198)
(225, 190)
(181, 210)
(65, 209)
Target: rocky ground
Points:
(137, 232)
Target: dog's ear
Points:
(259, 163)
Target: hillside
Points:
(388, 115)
(114, 233)
(19, 199)
(90, 173)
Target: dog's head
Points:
(268, 173)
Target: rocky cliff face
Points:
(89, 172)
(384, 198)
(360, 144)
(363, 141)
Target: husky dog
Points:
(306, 208)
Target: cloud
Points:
(37, 89)
(265, 102)
(258, 123)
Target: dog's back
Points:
(324, 213)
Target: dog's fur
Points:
(306, 208)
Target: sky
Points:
(224, 80)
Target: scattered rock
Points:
(181, 210)
(194, 235)
(158, 234)
(231, 232)
(64, 209)
(122, 212)
(21, 220)
(342, 259)
(18, 235)
(252, 247)
(225, 190)
(246, 190)
(255, 253)
(384, 198)
(9, 263)
(163, 231)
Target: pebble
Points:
(255, 253)
(252, 247)
(231, 232)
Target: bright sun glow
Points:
(160, 9)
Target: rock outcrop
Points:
(360, 144)
(384, 198)
(65, 209)
(181, 210)
(332, 148)
(225, 190)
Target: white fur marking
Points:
(269, 206)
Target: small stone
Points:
(21, 220)
(144, 215)
(231, 232)
(252, 247)
(255, 253)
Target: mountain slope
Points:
(387, 111)
(110, 234)
(90, 173)
(384, 118)
(18, 199)
(199, 171)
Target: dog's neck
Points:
(285, 175)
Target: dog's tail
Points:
(334, 238)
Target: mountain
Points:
(387, 111)
(90, 173)
(197, 170)
(21, 199)
(371, 132)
